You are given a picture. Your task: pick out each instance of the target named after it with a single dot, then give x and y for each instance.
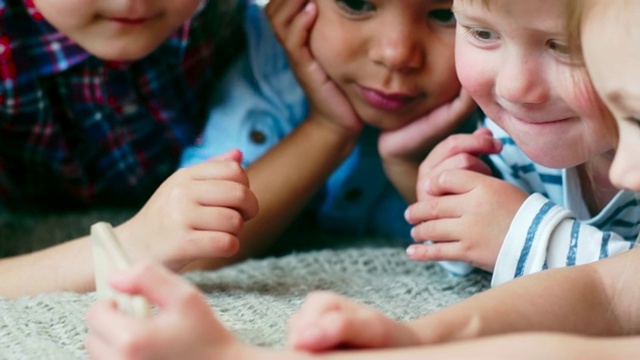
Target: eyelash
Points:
(360, 8)
(356, 7)
(474, 33)
(633, 120)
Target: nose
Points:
(398, 48)
(521, 80)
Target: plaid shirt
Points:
(76, 130)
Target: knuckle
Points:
(227, 245)
(235, 222)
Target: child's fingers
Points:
(216, 218)
(233, 155)
(433, 208)
(333, 322)
(216, 169)
(483, 131)
(462, 161)
(458, 144)
(436, 252)
(301, 26)
(453, 181)
(440, 230)
(211, 195)
(282, 12)
(98, 349)
(207, 244)
(108, 327)
(153, 282)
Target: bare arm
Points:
(64, 267)
(196, 212)
(595, 299)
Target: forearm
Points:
(64, 267)
(403, 175)
(567, 300)
(522, 346)
(285, 179)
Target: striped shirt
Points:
(76, 130)
(553, 227)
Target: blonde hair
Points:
(575, 10)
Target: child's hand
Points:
(402, 150)
(466, 216)
(329, 321)
(184, 327)
(415, 140)
(197, 212)
(459, 151)
(292, 21)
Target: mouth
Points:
(386, 100)
(539, 120)
(130, 20)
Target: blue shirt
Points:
(259, 102)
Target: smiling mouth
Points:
(540, 121)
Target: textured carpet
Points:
(254, 299)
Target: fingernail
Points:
(426, 186)
(310, 7)
(411, 251)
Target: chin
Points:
(124, 53)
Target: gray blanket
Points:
(254, 298)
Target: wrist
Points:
(339, 137)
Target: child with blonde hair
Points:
(554, 205)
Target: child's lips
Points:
(386, 101)
(128, 21)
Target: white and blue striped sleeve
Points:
(544, 235)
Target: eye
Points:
(633, 120)
(481, 35)
(558, 47)
(444, 17)
(356, 7)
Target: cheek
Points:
(473, 78)
(322, 43)
(56, 12)
(473, 75)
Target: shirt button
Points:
(353, 195)
(257, 137)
